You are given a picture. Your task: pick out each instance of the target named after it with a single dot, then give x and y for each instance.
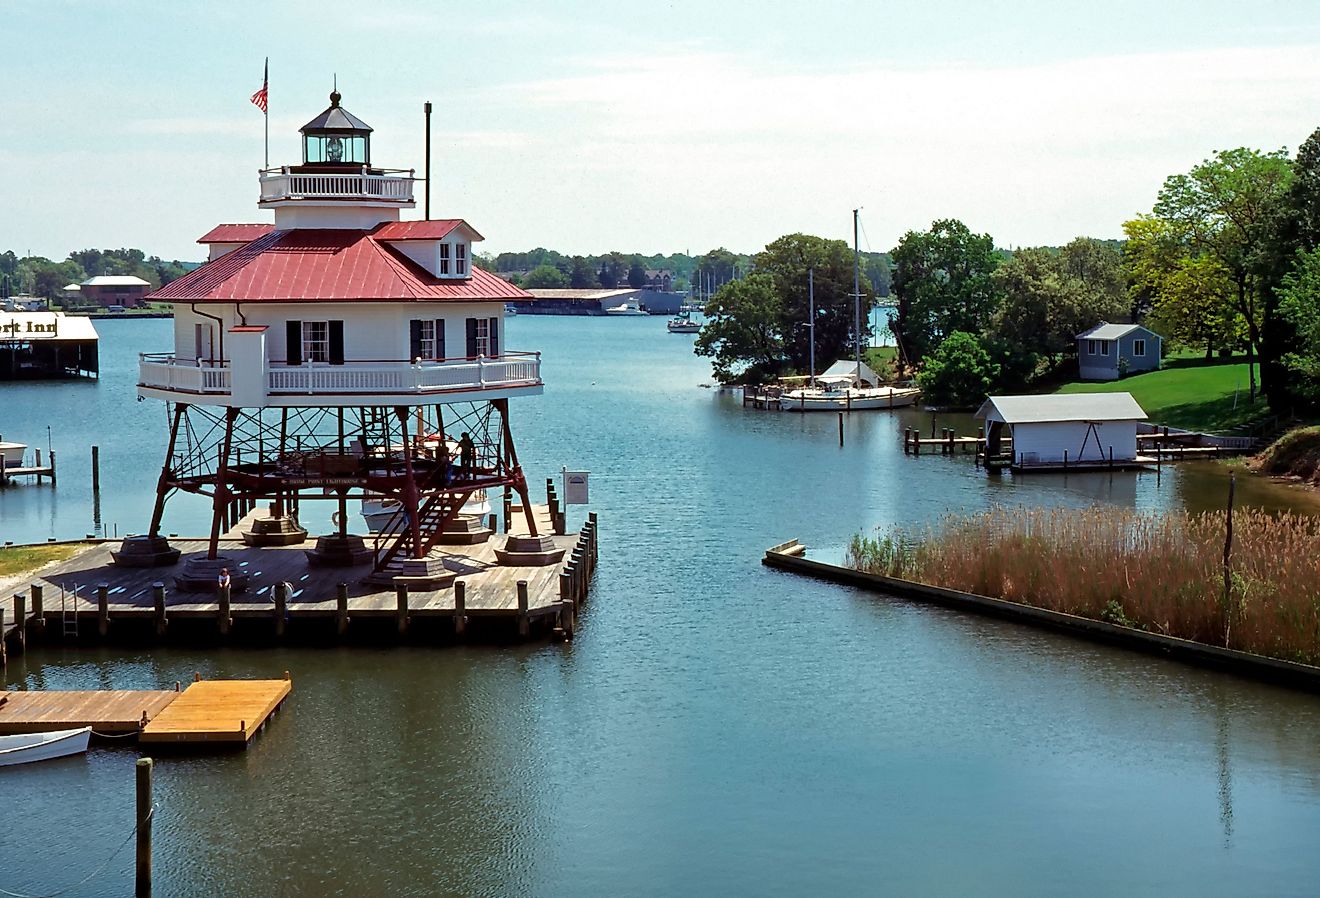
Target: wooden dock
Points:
(208, 711)
(223, 711)
(90, 599)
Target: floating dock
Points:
(228, 712)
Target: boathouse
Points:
(1063, 430)
(1110, 351)
(35, 345)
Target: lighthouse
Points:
(340, 354)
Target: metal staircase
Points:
(433, 515)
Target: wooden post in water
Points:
(39, 610)
(1228, 570)
(524, 625)
(4, 650)
(223, 619)
(952, 437)
(20, 624)
(568, 615)
(1065, 459)
(401, 597)
(158, 600)
(841, 428)
(96, 468)
(102, 609)
(52, 467)
(341, 608)
(281, 610)
(142, 886)
(460, 607)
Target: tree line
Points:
(42, 277)
(1227, 261)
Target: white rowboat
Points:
(43, 746)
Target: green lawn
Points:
(1197, 397)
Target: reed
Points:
(1162, 573)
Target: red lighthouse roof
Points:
(324, 265)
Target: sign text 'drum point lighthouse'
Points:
(340, 354)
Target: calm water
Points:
(716, 728)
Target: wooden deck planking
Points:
(105, 711)
(228, 711)
(491, 587)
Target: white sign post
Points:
(575, 487)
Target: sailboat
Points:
(845, 386)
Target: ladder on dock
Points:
(69, 619)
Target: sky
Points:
(646, 127)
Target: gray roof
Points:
(115, 280)
(1106, 331)
(336, 118)
(1062, 407)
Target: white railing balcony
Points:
(165, 373)
(384, 185)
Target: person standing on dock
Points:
(467, 456)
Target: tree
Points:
(1299, 308)
(582, 274)
(742, 330)
(942, 281)
(544, 277)
(787, 261)
(1226, 207)
(636, 274)
(606, 277)
(958, 373)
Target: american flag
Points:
(259, 98)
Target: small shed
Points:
(1063, 429)
(47, 344)
(850, 373)
(1108, 351)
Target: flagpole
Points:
(265, 83)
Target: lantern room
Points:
(336, 137)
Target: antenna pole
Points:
(427, 110)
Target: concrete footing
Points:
(529, 551)
(145, 551)
(275, 531)
(333, 550)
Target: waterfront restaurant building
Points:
(37, 345)
(1082, 429)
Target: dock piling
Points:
(460, 607)
(96, 468)
(158, 600)
(401, 597)
(341, 608)
(524, 625)
(52, 467)
(102, 609)
(223, 618)
(281, 610)
(38, 622)
(841, 427)
(20, 623)
(142, 886)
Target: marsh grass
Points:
(1162, 573)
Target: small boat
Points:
(43, 746)
(627, 307)
(377, 512)
(839, 398)
(13, 454)
(683, 324)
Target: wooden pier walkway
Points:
(208, 711)
(88, 598)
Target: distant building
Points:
(46, 344)
(1072, 429)
(569, 301)
(115, 290)
(659, 279)
(1109, 351)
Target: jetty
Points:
(228, 712)
(89, 599)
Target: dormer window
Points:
(443, 269)
(460, 260)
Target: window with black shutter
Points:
(494, 340)
(472, 338)
(440, 338)
(293, 342)
(414, 340)
(336, 342)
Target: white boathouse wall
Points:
(1046, 442)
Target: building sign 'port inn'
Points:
(11, 328)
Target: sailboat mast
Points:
(811, 304)
(857, 297)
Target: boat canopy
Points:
(850, 372)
